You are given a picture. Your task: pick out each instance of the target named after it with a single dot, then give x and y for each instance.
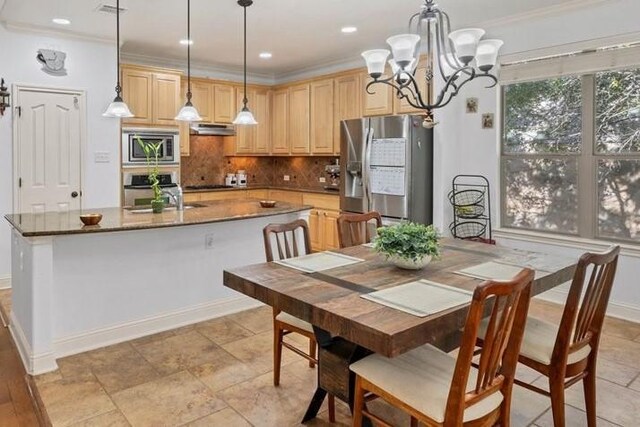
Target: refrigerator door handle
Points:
(366, 167)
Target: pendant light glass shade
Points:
(117, 109)
(188, 113)
(404, 76)
(376, 61)
(245, 117)
(403, 47)
(466, 43)
(487, 54)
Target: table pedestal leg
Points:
(334, 357)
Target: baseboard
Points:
(615, 309)
(34, 364)
(5, 282)
(151, 325)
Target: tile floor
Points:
(218, 373)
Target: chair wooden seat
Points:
(422, 378)
(567, 353)
(437, 389)
(294, 321)
(357, 229)
(538, 341)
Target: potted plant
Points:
(408, 245)
(152, 152)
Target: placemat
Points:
(319, 261)
(420, 298)
(495, 271)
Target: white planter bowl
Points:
(409, 264)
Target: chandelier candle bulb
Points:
(466, 43)
(403, 47)
(376, 61)
(487, 54)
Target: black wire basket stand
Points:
(470, 200)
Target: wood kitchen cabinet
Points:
(321, 117)
(380, 102)
(137, 88)
(166, 98)
(185, 139)
(347, 103)
(280, 121)
(254, 139)
(224, 103)
(299, 118)
(152, 96)
(323, 220)
(201, 98)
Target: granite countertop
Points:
(266, 187)
(120, 219)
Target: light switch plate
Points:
(102, 157)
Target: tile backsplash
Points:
(208, 165)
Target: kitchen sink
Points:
(147, 209)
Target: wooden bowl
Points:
(268, 203)
(91, 218)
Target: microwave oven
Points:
(133, 154)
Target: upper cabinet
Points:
(280, 121)
(201, 98)
(322, 117)
(224, 103)
(137, 88)
(380, 101)
(347, 103)
(153, 97)
(299, 98)
(254, 139)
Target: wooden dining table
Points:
(349, 327)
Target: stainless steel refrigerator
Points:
(387, 166)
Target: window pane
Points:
(618, 111)
(619, 201)
(543, 116)
(541, 194)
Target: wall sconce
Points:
(4, 97)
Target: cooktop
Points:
(207, 187)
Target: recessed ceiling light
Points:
(349, 29)
(61, 21)
(265, 55)
(186, 42)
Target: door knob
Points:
(74, 194)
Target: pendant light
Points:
(118, 108)
(245, 117)
(188, 113)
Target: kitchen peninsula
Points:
(79, 287)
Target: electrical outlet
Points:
(209, 241)
(322, 179)
(287, 178)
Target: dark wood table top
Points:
(331, 299)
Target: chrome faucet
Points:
(177, 197)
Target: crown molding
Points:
(50, 32)
(541, 13)
(199, 69)
(328, 67)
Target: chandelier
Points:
(454, 52)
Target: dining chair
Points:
(567, 353)
(286, 238)
(438, 389)
(356, 229)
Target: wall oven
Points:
(133, 155)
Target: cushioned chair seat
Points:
(294, 321)
(538, 341)
(421, 378)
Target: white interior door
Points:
(48, 144)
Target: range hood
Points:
(212, 129)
